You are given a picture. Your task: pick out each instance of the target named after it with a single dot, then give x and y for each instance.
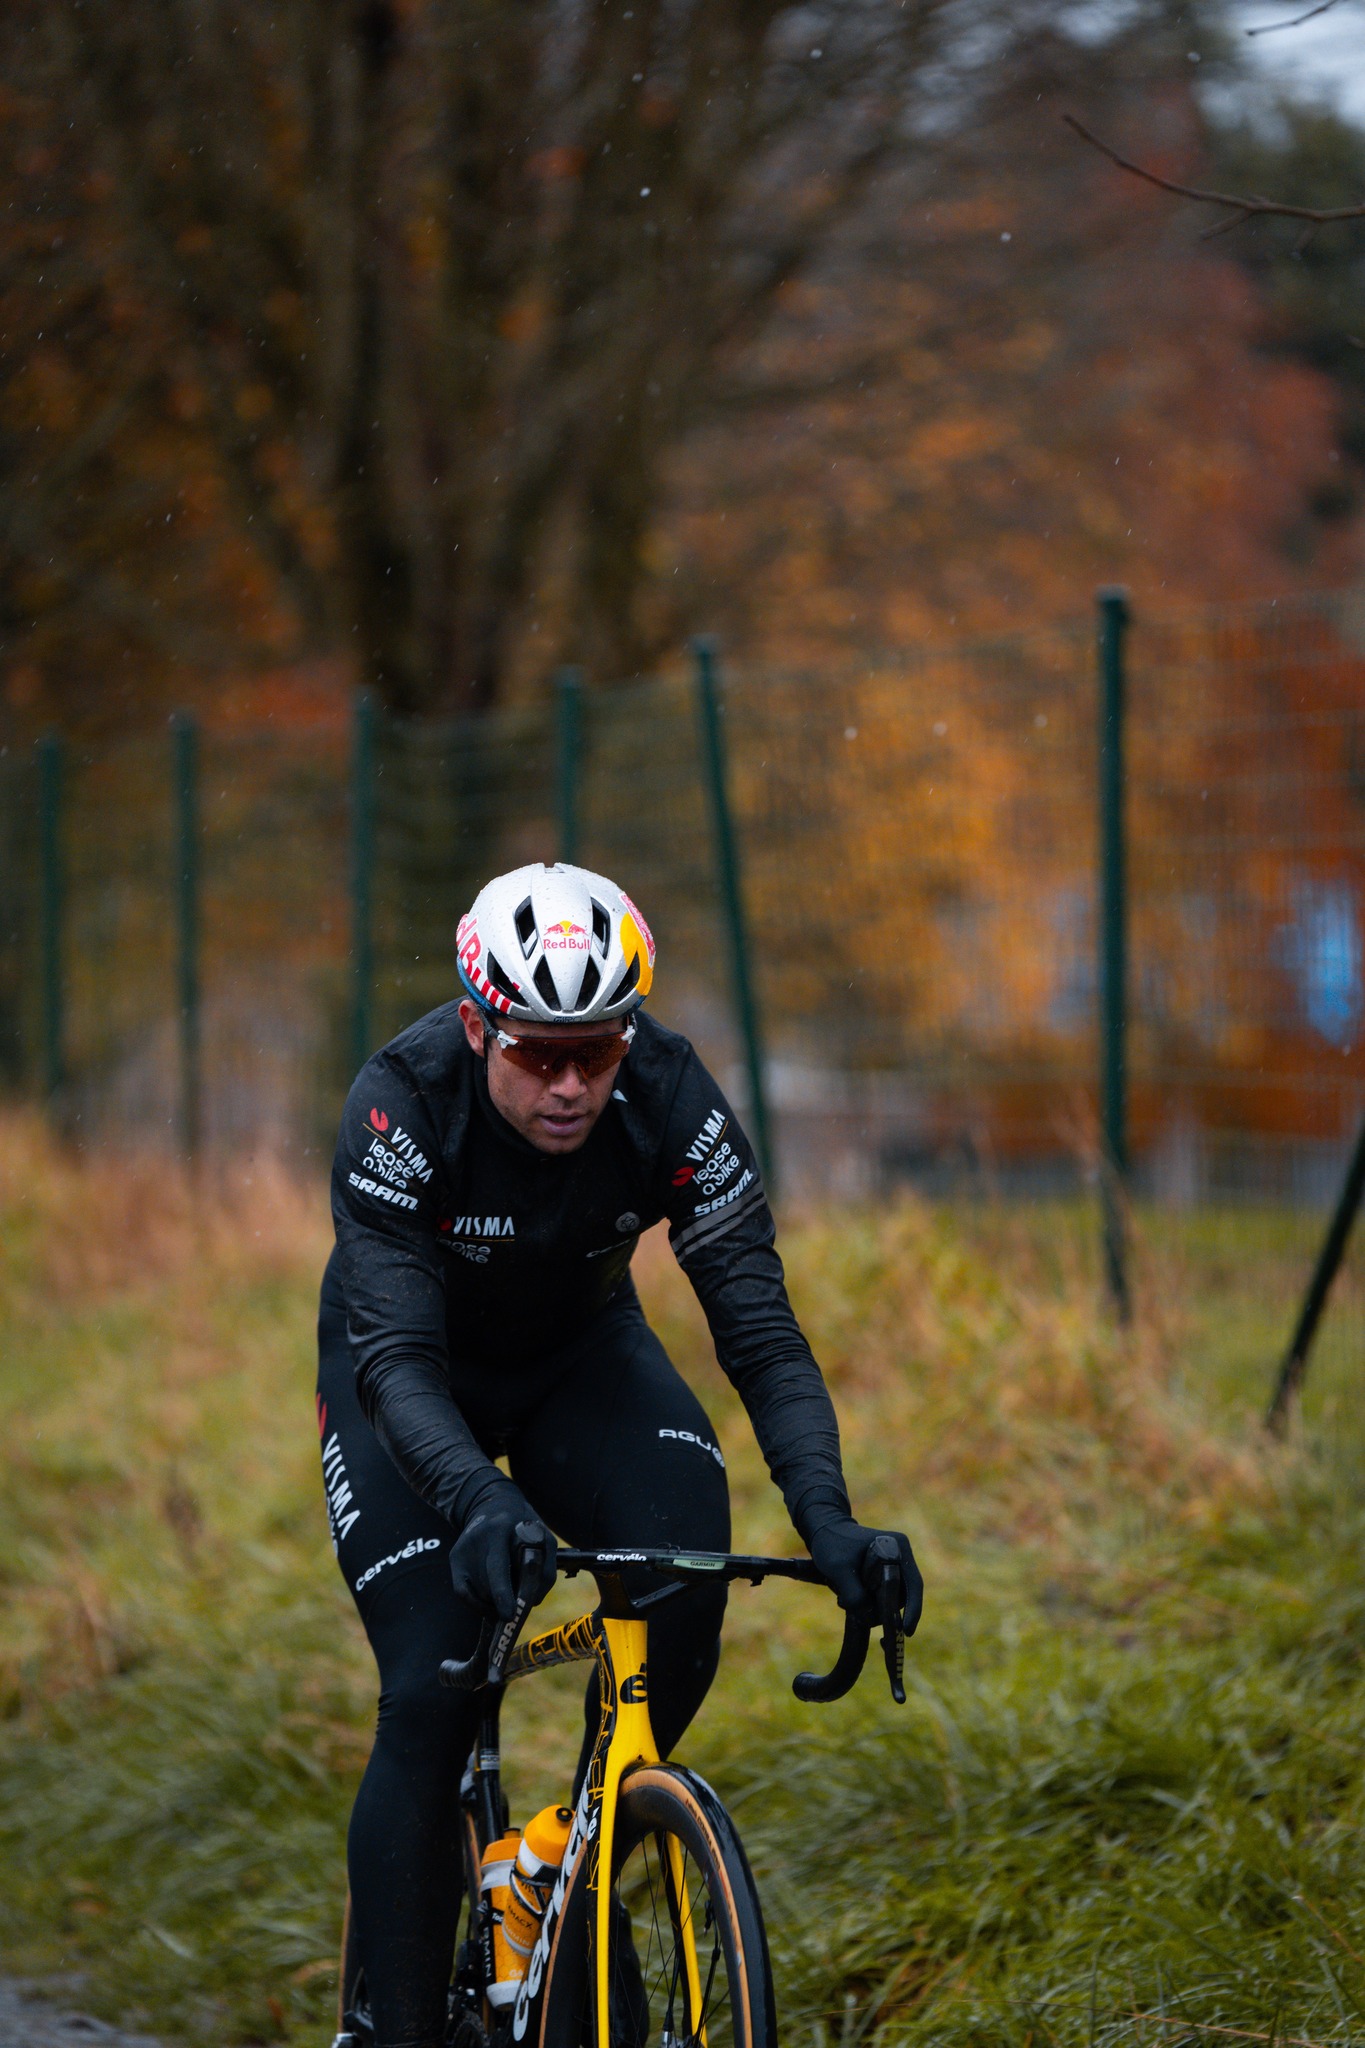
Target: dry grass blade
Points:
(1236, 2033)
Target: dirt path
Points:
(29, 2022)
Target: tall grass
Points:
(1122, 1804)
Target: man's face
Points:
(554, 1115)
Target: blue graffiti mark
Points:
(1321, 948)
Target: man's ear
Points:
(473, 1027)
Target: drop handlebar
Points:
(886, 1586)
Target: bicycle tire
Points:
(737, 2008)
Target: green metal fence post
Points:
(1114, 617)
(569, 702)
(362, 877)
(732, 898)
(1295, 1363)
(185, 753)
(51, 909)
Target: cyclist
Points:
(497, 1163)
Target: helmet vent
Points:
(625, 984)
(589, 985)
(601, 927)
(545, 982)
(525, 921)
(502, 982)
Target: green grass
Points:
(1123, 1803)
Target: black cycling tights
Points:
(619, 1452)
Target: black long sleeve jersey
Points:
(468, 1259)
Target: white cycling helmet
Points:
(555, 945)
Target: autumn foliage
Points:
(1023, 376)
(855, 381)
(888, 451)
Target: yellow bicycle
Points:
(653, 1932)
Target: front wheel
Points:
(688, 1957)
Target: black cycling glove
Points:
(840, 1550)
(488, 1550)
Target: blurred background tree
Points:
(440, 282)
(115, 560)
(1314, 282)
(443, 341)
(1020, 373)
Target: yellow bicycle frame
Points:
(625, 1738)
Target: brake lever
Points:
(890, 1597)
(504, 1638)
(496, 1639)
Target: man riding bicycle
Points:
(497, 1163)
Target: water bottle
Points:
(533, 1874)
(503, 1969)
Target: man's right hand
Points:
(488, 1552)
(841, 1551)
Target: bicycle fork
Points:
(630, 1741)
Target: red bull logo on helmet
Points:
(565, 937)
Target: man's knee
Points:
(413, 1701)
(414, 1626)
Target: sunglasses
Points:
(546, 1057)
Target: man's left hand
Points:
(841, 1549)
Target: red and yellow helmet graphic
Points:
(637, 943)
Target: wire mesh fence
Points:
(918, 847)
(1248, 830)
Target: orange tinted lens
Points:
(549, 1056)
(599, 1055)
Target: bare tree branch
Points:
(1269, 28)
(1242, 207)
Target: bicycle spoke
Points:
(680, 1915)
(665, 1910)
(654, 1890)
(710, 1980)
(673, 1983)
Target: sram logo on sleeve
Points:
(384, 1194)
(724, 1201)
